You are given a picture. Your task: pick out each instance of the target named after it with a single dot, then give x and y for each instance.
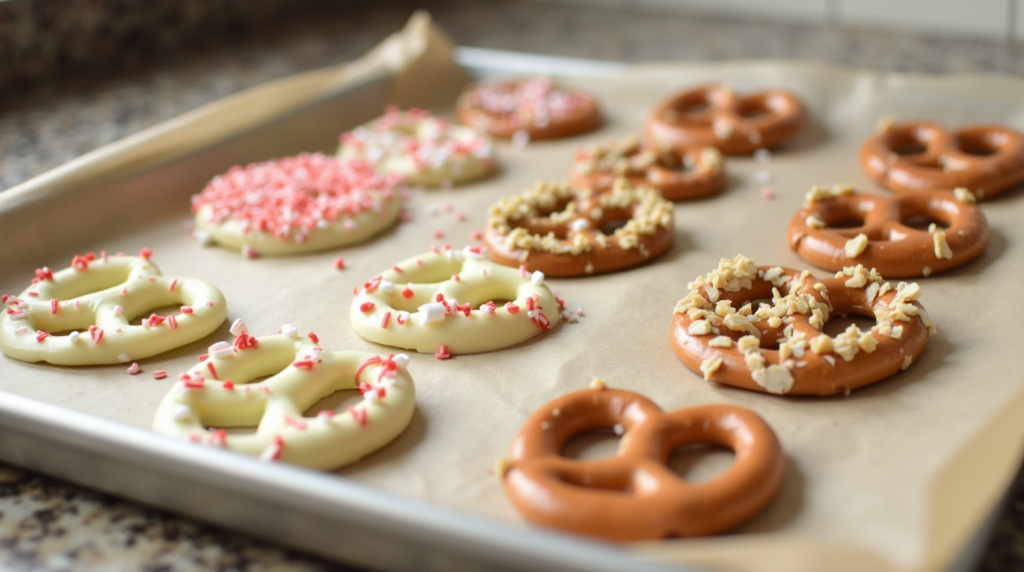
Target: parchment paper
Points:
(895, 476)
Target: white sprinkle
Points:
(134, 368)
(73, 337)
(430, 313)
(220, 350)
(763, 156)
(762, 177)
(118, 311)
(238, 328)
(289, 331)
(618, 429)
(270, 452)
(580, 225)
(387, 287)
(203, 237)
(402, 360)
(537, 277)
(124, 358)
(402, 317)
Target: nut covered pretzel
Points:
(715, 116)
(296, 204)
(634, 495)
(534, 106)
(424, 149)
(562, 231)
(923, 156)
(837, 228)
(781, 348)
(221, 392)
(445, 302)
(81, 315)
(689, 174)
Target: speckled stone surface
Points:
(46, 524)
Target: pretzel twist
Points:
(444, 302)
(220, 392)
(94, 300)
(559, 230)
(678, 175)
(923, 156)
(715, 116)
(781, 348)
(634, 495)
(536, 107)
(880, 237)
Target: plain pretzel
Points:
(634, 495)
(923, 156)
(715, 116)
(221, 393)
(80, 315)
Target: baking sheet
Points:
(895, 476)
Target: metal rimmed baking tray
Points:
(871, 461)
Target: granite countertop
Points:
(60, 105)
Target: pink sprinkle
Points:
(124, 292)
(400, 319)
(173, 284)
(438, 234)
(523, 271)
(420, 262)
(447, 207)
(405, 217)
(359, 415)
(96, 334)
(460, 216)
(407, 293)
(134, 368)
(228, 385)
(366, 307)
(196, 382)
(159, 374)
(172, 322)
(384, 321)
(313, 337)
(397, 269)
(298, 424)
(212, 368)
(250, 252)
(203, 357)
(767, 194)
(511, 308)
(339, 263)
(145, 253)
(34, 294)
(43, 273)
(456, 278)
(306, 364)
(442, 353)
(54, 303)
(41, 335)
(476, 234)
(187, 310)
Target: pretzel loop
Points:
(456, 299)
(922, 156)
(715, 116)
(80, 315)
(634, 495)
(884, 241)
(780, 347)
(221, 392)
(677, 174)
(535, 107)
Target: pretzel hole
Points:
(338, 402)
(96, 279)
(923, 222)
(755, 108)
(838, 323)
(979, 145)
(700, 462)
(591, 445)
(906, 142)
(163, 311)
(847, 220)
(610, 226)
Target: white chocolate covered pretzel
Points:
(449, 302)
(220, 393)
(298, 204)
(82, 315)
(424, 149)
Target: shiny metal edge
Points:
(487, 62)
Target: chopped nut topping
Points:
(942, 249)
(814, 222)
(699, 328)
(721, 342)
(820, 193)
(885, 123)
(710, 366)
(907, 360)
(856, 245)
(598, 384)
(964, 196)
